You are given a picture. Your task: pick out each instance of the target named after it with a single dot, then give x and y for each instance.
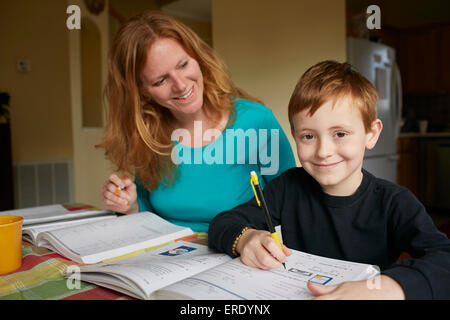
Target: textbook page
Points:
(49, 213)
(139, 276)
(101, 240)
(236, 281)
(30, 232)
(34, 214)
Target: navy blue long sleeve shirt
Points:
(374, 225)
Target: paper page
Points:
(110, 238)
(234, 280)
(49, 213)
(36, 213)
(155, 269)
(34, 230)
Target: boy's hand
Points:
(257, 249)
(386, 289)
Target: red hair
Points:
(333, 80)
(137, 136)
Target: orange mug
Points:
(10, 243)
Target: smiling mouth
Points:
(185, 96)
(326, 165)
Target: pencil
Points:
(262, 203)
(118, 189)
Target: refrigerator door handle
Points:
(394, 157)
(397, 100)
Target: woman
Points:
(180, 126)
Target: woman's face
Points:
(173, 78)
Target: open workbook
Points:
(105, 238)
(55, 213)
(185, 270)
(31, 232)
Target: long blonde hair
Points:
(137, 136)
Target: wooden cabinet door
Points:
(443, 56)
(422, 57)
(407, 166)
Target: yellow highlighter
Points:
(262, 203)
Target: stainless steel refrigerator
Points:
(377, 63)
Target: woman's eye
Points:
(184, 64)
(159, 82)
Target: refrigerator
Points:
(377, 63)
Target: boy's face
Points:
(331, 145)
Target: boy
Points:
(334, 208)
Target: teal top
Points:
(216, 177)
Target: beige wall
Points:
(268, 44)
(202, 28)
(46, 102)
(129, 8)
(91, 74)
(90, 167)
(40, 105)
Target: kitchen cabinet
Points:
(422, 71)
(434, 174)
(443, 52)
(424, 168)
(423, 56)
(407, 166)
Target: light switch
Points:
(23, 66)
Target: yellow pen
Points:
(262, 203)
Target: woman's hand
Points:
(120, 195)
(257, 249)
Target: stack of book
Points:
(144, 256)
(90, 236)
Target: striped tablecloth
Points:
(41, 278)
(41, 275)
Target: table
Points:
(41, 278)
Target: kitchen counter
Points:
(424, 135)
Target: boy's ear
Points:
(373, 134)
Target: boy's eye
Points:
(341, 134)
(307, 136)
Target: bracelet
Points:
(233, 248)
